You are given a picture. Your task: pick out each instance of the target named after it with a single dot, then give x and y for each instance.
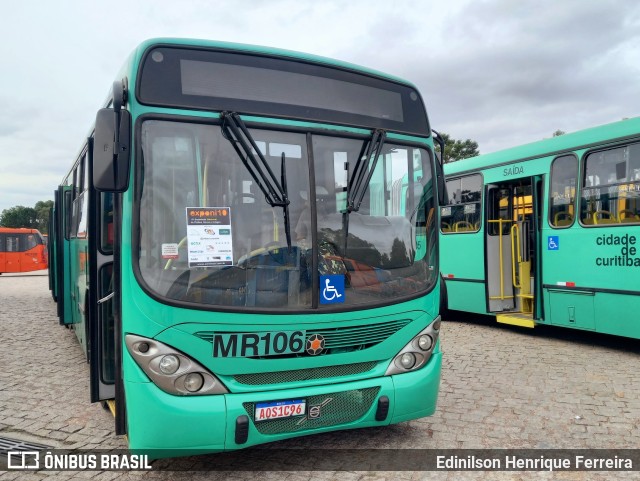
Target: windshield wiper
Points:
(360, 178)
(275, 193)
(358, 183)
(285, 207)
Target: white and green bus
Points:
(247, 248)
(549, 232)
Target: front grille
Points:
(336, 408)
(359, 336)
(343, 339)
(281, 377)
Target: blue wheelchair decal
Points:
(331, 289)
(553, 243)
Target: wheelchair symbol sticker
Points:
(331, 289)
(553, 243)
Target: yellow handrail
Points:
(515, 236)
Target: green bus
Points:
(247, 248)
(549, 232)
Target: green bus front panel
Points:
(170, 425)
(180, 425)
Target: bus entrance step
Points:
(522, 320)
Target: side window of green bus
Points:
(463, 210)
(611, 187)
(106, 222)
(80, 200)
(562, 195)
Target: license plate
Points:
(280, 409)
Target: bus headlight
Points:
(169, 364)
(417, 351)
(193, 381)
(407, 360)
(425, 342)
(171, 370)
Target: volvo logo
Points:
(315, 411)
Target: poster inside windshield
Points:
(209, 236)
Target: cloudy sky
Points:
(500, 72)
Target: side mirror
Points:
(443, 198)
(110, 155)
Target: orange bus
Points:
(22, 250)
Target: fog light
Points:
(193, 382)
(436, 325)
(143, 347)
(408, 360)
(169, 364)
(425, 342)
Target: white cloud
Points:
(496, 71)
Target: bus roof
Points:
(582, 139)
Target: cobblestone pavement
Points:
(502, 387)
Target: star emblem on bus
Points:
(315, 344)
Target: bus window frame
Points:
(510, 210)
(332, 308)
(578, 193)
(481, 202)
(583, 178)
(79, 199)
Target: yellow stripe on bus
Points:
(515, 320)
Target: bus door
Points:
(66, 307)
(499, 288)
(101, 302)
(510, 245)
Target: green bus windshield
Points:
(208, 237)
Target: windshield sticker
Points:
(209, 237)
(170, 251)
(332, 289)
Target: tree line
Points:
(36, 217)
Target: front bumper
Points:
(168, 425)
